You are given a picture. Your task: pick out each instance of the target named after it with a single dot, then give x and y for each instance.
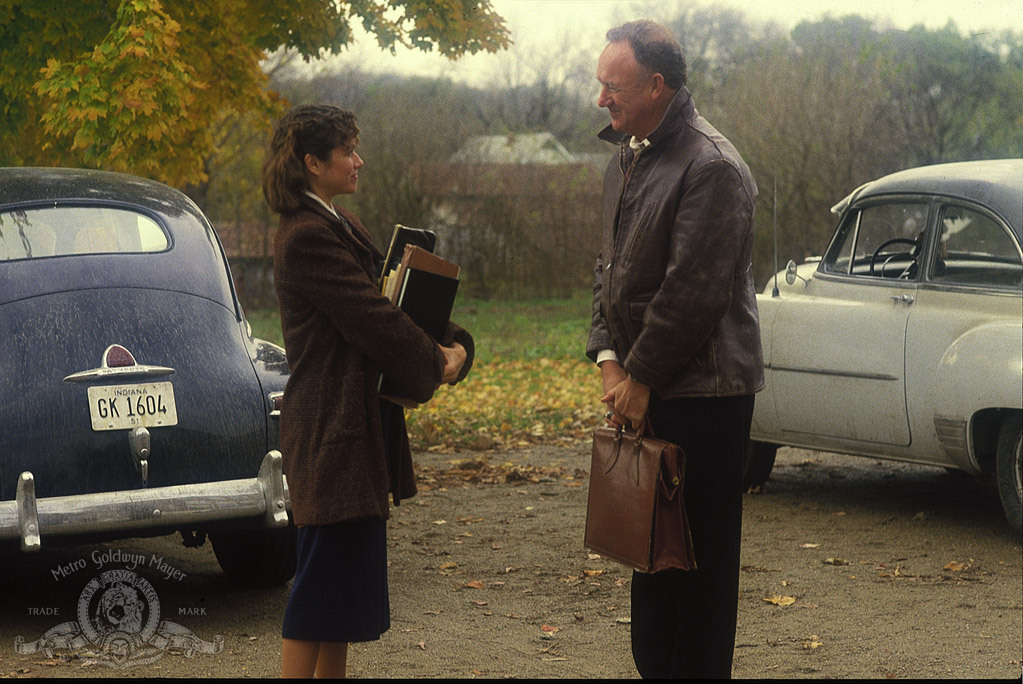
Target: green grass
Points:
(266, 325)
(527, 329)
(530, 383)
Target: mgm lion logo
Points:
(119, 625)
(120, 613)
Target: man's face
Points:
(626, 91)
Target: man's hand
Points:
(626, 399)
(454, 358)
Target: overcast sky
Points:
(533, 22)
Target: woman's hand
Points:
(454, 358)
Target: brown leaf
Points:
(953, 566)
(548, 628)
(780, 600)
(475, 584)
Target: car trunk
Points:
(46, 422)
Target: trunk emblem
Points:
(117, 361)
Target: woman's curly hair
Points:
(306, 129)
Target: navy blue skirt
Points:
(340, 588)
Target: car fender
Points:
(765, 412)
(982, 369)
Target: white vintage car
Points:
(905, 340)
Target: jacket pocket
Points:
(635, 310)
(351, 419)
(638, 308)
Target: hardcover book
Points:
(424, 285)
(402, 236)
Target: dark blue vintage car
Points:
(135, 400)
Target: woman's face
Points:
(338, 175)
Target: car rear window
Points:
(63, 231)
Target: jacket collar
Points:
(347, 227)
(680, 109)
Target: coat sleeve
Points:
(712, 226)
(325, 271)
(599, 338)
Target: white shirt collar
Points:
(638, 145)
(323, 204)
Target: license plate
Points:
(119, 407)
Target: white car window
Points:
(880, 241)
(974, 249)
(59, 231)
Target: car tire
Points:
(759, 463)
(1009, 471)
(263, 558)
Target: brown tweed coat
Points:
(340, 333)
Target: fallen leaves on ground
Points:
(812, 642)
(482, 471)
(780, 600)
(511, 403)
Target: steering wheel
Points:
(887, 243)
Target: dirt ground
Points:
(850, 568)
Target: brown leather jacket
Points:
(340, 333)
(673, 291)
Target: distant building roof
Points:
(515, 148)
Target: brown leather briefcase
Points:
(635, 513)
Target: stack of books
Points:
(423, 284)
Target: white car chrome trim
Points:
(274, 413)
(843, 374)
(29, 518)
(105, 370)
(118, 372)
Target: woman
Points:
(344, 449)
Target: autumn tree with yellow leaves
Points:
(139, 85)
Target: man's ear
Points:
(659, 87)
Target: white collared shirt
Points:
(638, 145)
(326, 206)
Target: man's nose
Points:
(604, 98)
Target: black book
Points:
(403, 235)
(424, 286)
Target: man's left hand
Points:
(630, 400)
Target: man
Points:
(676, 333)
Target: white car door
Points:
(838, 357)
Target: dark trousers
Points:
(683, 622)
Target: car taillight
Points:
(117, 356)
(276, 404)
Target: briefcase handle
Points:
(645, 429)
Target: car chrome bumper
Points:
(30, 519)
